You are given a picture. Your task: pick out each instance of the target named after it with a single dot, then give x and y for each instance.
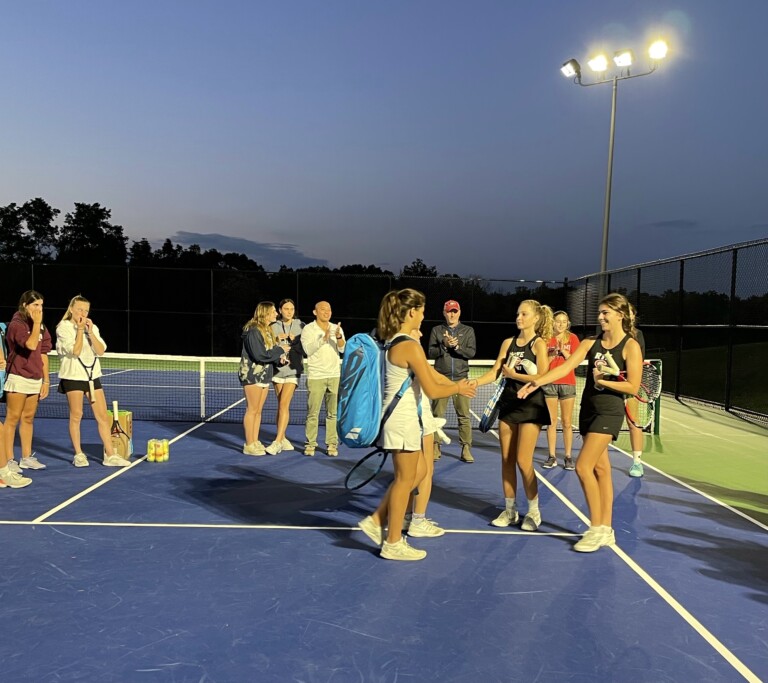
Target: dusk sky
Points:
(332, 132)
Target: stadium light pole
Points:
(599, 64)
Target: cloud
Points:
(270, 255)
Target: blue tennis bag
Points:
(359, 412)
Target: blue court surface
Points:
(217, 567)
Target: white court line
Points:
(697, 626)
(692, 621)
(101, 483)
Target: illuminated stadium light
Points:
(624, 58)
(658, 50)
(571, 69)
(598, 63)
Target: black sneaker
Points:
(550, 463)
(569, 464)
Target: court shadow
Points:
(723, 558)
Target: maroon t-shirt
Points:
(21, 361)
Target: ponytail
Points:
(394, 309)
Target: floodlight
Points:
(624, 58)
(571, 69)
(658, 50)
(598, 63)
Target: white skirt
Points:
(21, 385)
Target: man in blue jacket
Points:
(451, 345)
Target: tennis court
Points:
(219, 567)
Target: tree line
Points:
(29, 232)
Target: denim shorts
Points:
(559, 391)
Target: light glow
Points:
(623, 58)
(658, 50)
(598, 63)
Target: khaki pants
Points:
(461, 406)
(317, 390)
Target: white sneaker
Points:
(255, 448)
(401, 551)
(31, 463)
(594, 539)
(274, 448)
(80, 460)
(531, 521)
(506, 518)
(13, 466)
(287, 445)
(13, 479)
(115, 461)
(421, 527)
(372, 530)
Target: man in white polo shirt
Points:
(323, 342)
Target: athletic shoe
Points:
(255, 448)
(274, 448)
(531, 521)
(466, 454)
(569, 464)
(506, 518)
(372, 530)
(80, 460)
(287, 445)
(14, 480)
(3, 485)
(333, 451)
(421, 527)
(550, 462)
(115, 461)
(31, 463)
(636, 470)
(309, 451)
(13, 466)
(594, 539)
(401, 551)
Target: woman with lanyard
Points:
(27, 382)
(79, 345)
(286, 378)
(602, 410)
(261, 351)
(561, 346)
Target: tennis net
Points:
(191, 389)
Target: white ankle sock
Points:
(533, 506)
(511, 504)
(636, 455)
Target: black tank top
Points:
(604, 401)
(516, 351)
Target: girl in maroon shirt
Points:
(27, 377)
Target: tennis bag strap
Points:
(400, 392)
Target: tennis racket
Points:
(650, 380)
(639, 410)
(120, 440)
(365, 470)
(491, 411)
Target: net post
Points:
(202, 388)
(657, 403)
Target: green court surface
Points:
(713, 451)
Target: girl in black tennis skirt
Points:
(521, 358)
(602, 410)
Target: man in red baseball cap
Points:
(451, 345)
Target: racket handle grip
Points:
(114, 409)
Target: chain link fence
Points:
(705, 315)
